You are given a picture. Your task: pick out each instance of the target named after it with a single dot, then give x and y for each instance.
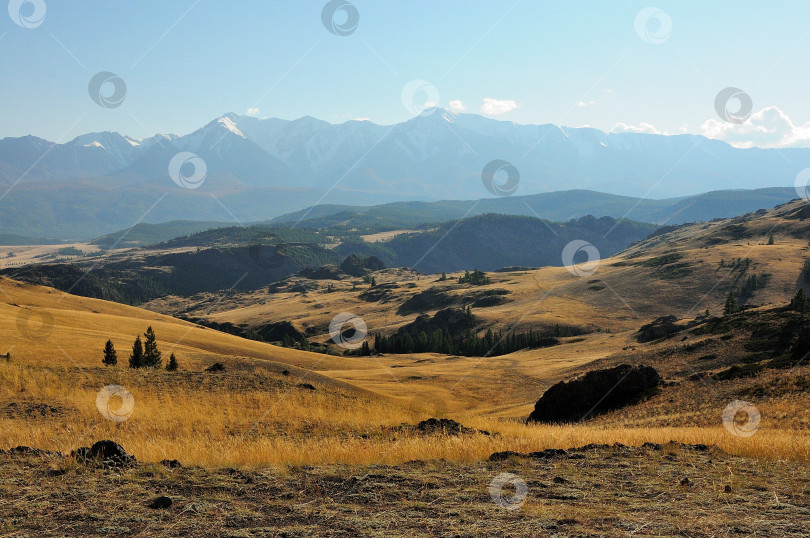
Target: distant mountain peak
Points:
(228, 121)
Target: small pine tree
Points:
(770, 239)
(364, 349)
(373, 282)
(731, 304)
(110, 356)
(136, 359)
(151, 353)
(443, 277)
(172, 366)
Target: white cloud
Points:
(768, 128)
(583, 104)
(457, 105)
(362, 119)
(646, 128)
(253, 111)
(495, 107)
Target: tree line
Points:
(145, 353)
(468, 344)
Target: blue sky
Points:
(568, 63)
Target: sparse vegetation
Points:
(476, 278)
(751, 284)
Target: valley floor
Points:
(651, 491)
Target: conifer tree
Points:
(172, 365)
(151, 353)
(136, 359)
(110, 356)
(731, 304)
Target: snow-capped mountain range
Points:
(275, 166)
(432, 156)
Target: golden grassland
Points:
(253, 414)
(256, 418)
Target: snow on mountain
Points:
(438, 154)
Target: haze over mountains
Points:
(262, 168)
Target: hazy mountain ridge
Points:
(261, 168)
(556, 206)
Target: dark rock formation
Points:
(445, 426)
(161, 503)
(596, 392)
(662, 327)
(356, 266)
(107, 453)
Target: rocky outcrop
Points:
(594, 393)
(356, 266)
(662, 327)
(108, 453)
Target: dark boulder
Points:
(596, 392)
(662, 327)
(105, 452)
(445, 426)
(505, 455)
(161, 503)
(356, 266)
(548, 453)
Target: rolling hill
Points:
(249, 258)
(681, 271)
(556, 206)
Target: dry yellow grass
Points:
(253, 416)
(255, 419)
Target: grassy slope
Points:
(254, 415)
